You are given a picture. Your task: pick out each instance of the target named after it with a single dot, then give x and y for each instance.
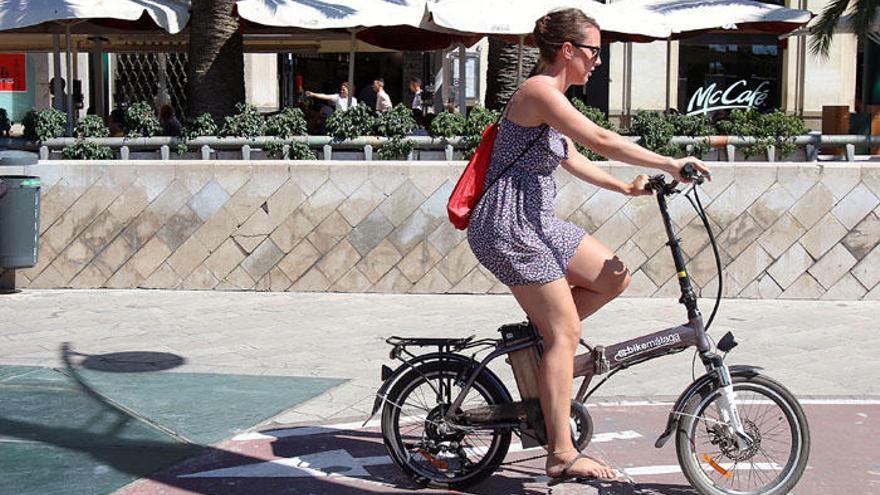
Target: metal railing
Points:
(207, 147)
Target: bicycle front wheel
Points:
(429, 450)
(770, 464)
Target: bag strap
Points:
(520, 155)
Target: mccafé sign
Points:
(710, 98)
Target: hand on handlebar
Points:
(689, 168)
(639, 186)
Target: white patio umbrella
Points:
(517, 20)
(351, 15)
(693, 17)
(57, 16)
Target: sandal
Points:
(564, 476)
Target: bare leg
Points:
(552, 309)
(598, 276)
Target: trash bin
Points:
(19, 221)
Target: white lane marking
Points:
(331, 463)
(675, 468)
(354, 426)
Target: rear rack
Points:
(429, 342)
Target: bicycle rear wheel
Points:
(770, 465)
(427, 449)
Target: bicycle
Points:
(448, 419)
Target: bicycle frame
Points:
(628, 353)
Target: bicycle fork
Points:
(726, 408)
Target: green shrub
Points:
(86, 150)
(477, 121)
(656, 132)
(247, 122)
(287, 123)
(203, 125)
(141, 121)
(397, 121)
(396, 148)
(91, 126)
(693, 126)
(297, 150)
(775, 128)
(349, 124)
(45, 124)
(447, 125)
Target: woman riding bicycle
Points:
(557, 272)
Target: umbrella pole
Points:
(668, 74)
(69, 80)
(462, 80)
(351, 53)
(56, 70)
(98, 75)
(519, 60)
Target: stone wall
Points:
(784, 230)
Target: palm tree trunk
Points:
(501, 76)
(215, 72)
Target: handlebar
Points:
(657, 183)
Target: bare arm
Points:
(561, 115)
(583, 168)
(320, 96)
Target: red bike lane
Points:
(344, 458)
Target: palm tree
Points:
(863, 14)
(501, 73)
(215, 70)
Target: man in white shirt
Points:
(339, 100)
(415, 87)
(383, 101)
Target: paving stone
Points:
(779, 237)
(749, 264)
(413, 230)
(348, 178)
(89, 278)
(274, 281)
(291, 231)
(312, 281)
(418, 261)
(571, 196)
(740, 234)
(237, 279)
(813, 205)
(823, 236)
(790, 266)
(200, 278)
(631, 255)
(432, 283)
(265, 219)
(150, 257)
(846, 289)
(322, 203)
(599, 208)
(659, 268)
(615, 232)
(427, 177)
(392, 282)
(868, 270)
(862, 239)
(128, 204)
(188, 256)
(163, 277)
(179, 228)
(329, 232)
(640, 285)
(361, 202)
(855, 206)
(388, 177)
(771, 205)
(232, 177)
(352, 281)
(224, 259)
(338, 261)
(194, 176)
(475, 282)
(804, 287)
(445, 237)
(401, 203)
(370, 232)
(309, 176)
(840, 178)
(379, 261)
(456, 264)
(832, 266)
(798, 178)
(262, 259)
(299, 260)
(217, 229)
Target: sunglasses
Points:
(593, 49)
